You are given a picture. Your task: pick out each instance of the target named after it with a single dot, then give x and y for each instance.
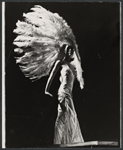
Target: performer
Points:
(44, 43)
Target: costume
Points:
(67, 129)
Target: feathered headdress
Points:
(40, 41)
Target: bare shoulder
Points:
(66, 70)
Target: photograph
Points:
(61, 69)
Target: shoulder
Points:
(65, 70)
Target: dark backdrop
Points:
(30, 114)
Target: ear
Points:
(69, 51)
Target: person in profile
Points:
(44, 43)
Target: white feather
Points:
(40, 37)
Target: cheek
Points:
(60, 79)
(78, 56)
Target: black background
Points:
(30, 114)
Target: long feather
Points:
(39, 38)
